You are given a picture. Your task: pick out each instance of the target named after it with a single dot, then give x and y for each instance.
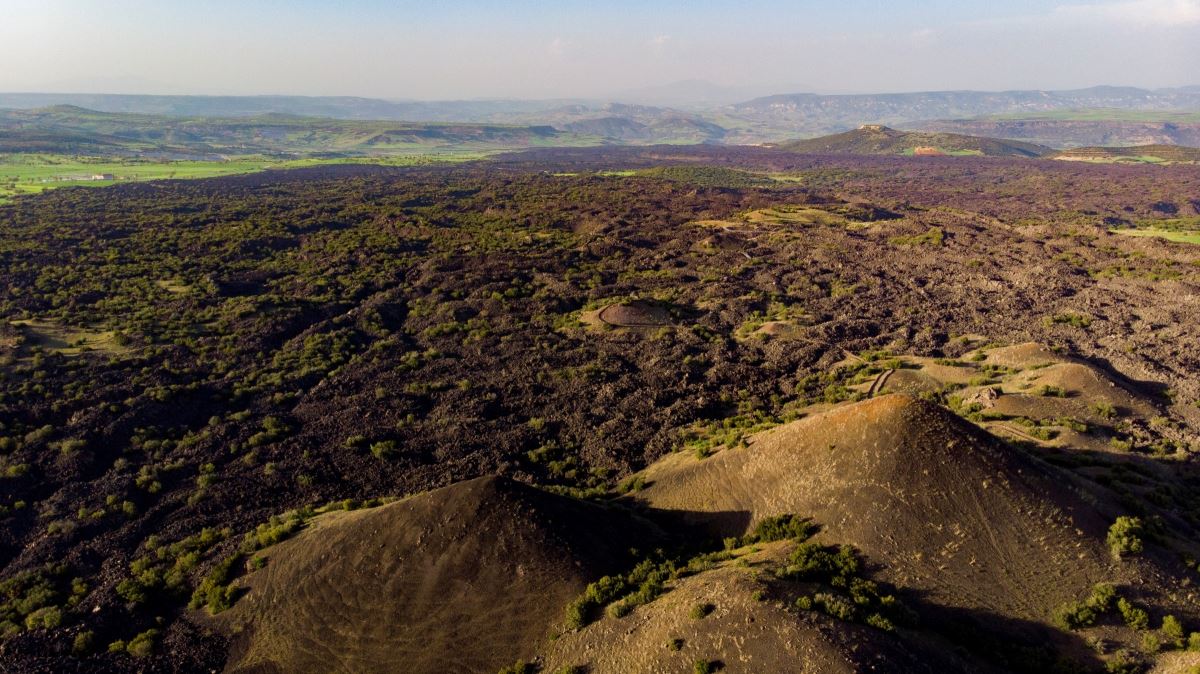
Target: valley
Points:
(840, 409)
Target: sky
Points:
(466, 49)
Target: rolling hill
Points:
(67, 129)
(1154, 154)
(814, 114)
(982, 542)
(873, 139)
(466, 578)
(1083, 128)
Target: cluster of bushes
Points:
(1068, 318)
(38, 599)
(847, 595)
(776, 528)
(215, 591)
(140, 646)
(622, 593)
(1101, 602)
(1080, 614)
(163, 572)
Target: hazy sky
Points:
(570, 48)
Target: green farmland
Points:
(1170, 235)
(33, 173)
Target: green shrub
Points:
(811, 561)
(834, 605)
(931, 237)
(1126, 662)
(519, 667)
(782, 527)
(1172, 631)
(142, 645)
(634, 483)
(881, 622)
(706, 666)
(1103, 596)
(83, 643)
(1135, 617)
(1074, 320)
(384, 449)
(675, 644)
(1079, 614)
(1125, 536)
(1151, 643)
(47, 617)
(700, 611)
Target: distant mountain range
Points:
(1111, 128)
(760, 120)
(808, 114)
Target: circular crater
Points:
(635, 314)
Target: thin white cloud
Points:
(1162, 13)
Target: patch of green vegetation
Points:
(931, 237)
(706, 176)
(1192, 237)
(701, 611)
(519, 667)
(22, 174)
(163, 571)
(1125, 536)
(1134, 616)
(1068, 318)
(1077, 615)
(38, 599)
(776, 528)
(846, 594)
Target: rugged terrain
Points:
(881, 140)
(1086, 128)
(1153, 154)
(300, 400)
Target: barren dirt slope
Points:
(462, 579)
(950, 511)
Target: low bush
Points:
(1125, 536)
(1135, 617)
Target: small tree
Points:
(1125, 536)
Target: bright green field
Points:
(33, 173)
(1180, 236)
